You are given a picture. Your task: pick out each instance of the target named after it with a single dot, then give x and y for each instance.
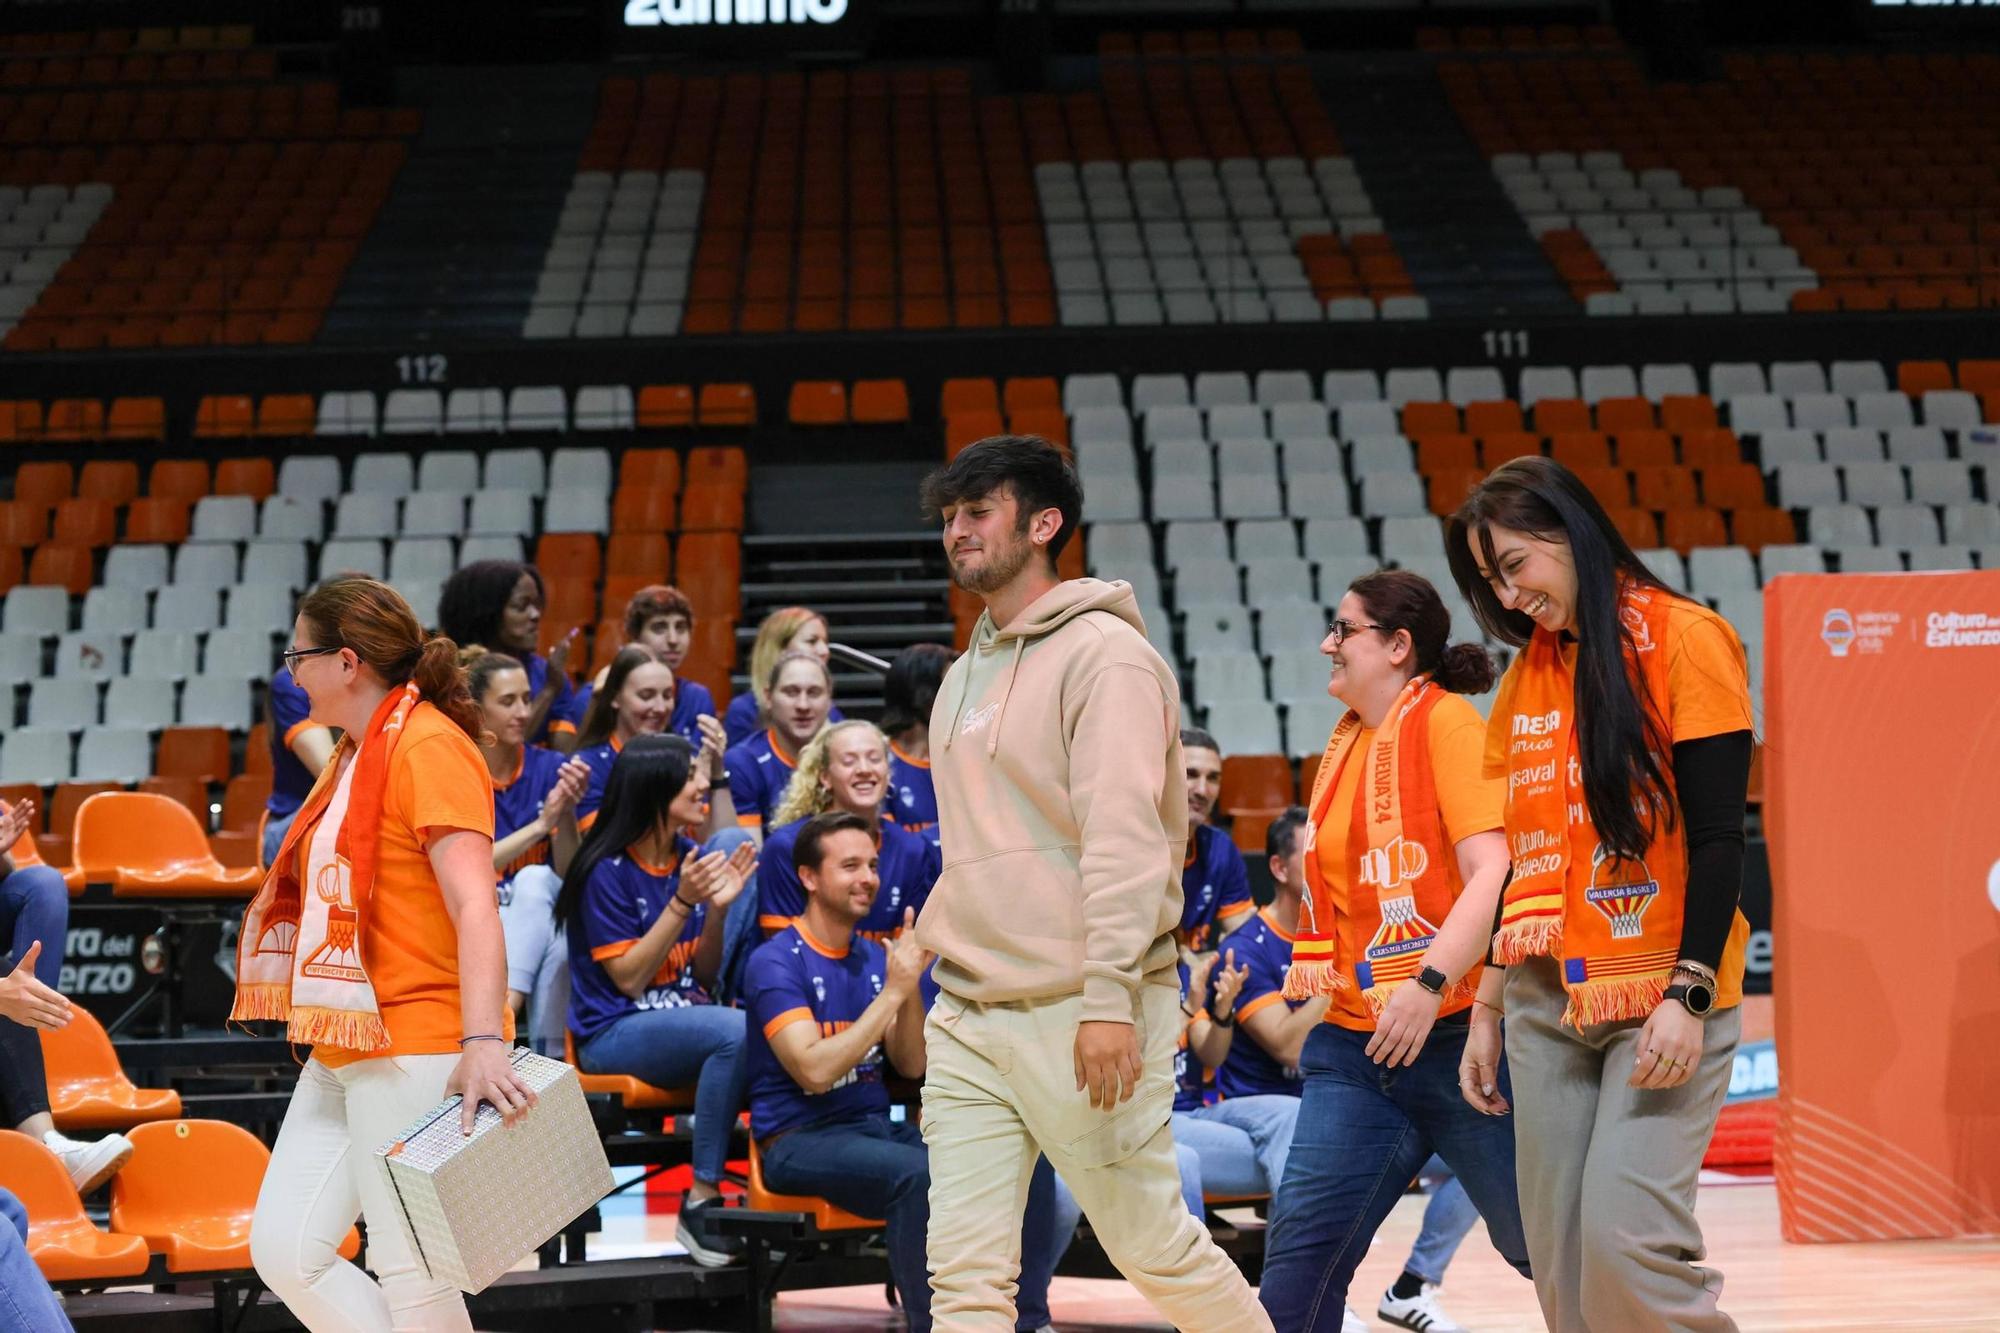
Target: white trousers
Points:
(323, 1175)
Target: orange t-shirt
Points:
(438, 781)
(1469, 802)
(1708, 694)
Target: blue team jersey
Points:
(739, 720)
(792, 978)
(564, 714)
(1187, 1069)
(599, 759)
(758, 776)
(691, 700)
(1248, 1069)
(1215, 888)
(518, 800)
(912, 795)
(621, 900)
(906, 867)
(289, 712)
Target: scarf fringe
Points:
(1458, 993)
(262, 1000)
(1308, 981)
(1521, 940)
(348, 1029)
(1615, 1001)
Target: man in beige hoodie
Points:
(1062, 804)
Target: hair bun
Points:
(1465, 668)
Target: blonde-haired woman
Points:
(799, 688)
(845, 767)
(789, 629)
(377, 940)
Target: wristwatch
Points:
(1432, 980)
(1697, 997)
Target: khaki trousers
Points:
(1607, 1172)
(1000, 1088)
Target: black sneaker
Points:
(701, 1238)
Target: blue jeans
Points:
(275, 829)
(537, 953)
(1239, 1144)
(34, 905)
(1364, 1131)
(671, 1048)
(1447, 1218)
(740, 934)
(876, 1167)
(26, 1303)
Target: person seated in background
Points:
(800, 690)
(908, 692)
(825, 1004)
(660, 617)
(789, 629)
(645, 915)
(1275, 1027)
(535, 792)
(845, 767)
(300, 748)
(34, 927)
(499, 603)
(1215, 884)
(639, 697)
(27, 1305)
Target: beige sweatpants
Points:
(1607, 1172)
(1001, 1088)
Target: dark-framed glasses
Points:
(1342, 630)
(293, 656)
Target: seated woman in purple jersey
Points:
(800, 689)
(660, 617)
(499, 603)
(645, 914)
(845, 767)
(789, 629)
(638, 699)
(534, 838)
(300, 748)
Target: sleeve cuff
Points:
(1262, 1002)
(786, 1019)
(749, 821)
(617, 949)
(559, 725)
(1234, 909)
(1106, 999)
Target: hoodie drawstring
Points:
(993, 741)
(964, 690)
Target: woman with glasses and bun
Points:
(1623, 731)
(1404, 862)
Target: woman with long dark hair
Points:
(645, 914)
(1624, 732)
(499, 603)
(1403, 865)
(637, 699)
(376, 938)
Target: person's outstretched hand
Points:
(26, 1000)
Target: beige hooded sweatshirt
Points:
(1062, 805)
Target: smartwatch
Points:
(1432, 980)
(1697, 997)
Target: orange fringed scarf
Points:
(299, 957)
(1399, 877)
(1615, 924)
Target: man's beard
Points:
(998, 571)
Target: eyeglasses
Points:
(1342, 630)
(293, 656)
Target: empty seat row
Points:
(141, 703)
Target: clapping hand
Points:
(14, 821)
(559, 655)
(714, 741)
(572, 781)
(1228, 985)
(26, 1000)
(718, 877)
(907, 958)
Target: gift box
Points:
(475, 1205)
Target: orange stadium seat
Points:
(1035, 393)
(818, 403)
(727, 405)
(1430, 419)
(659, 469)
(44, 483)
(1557, 414)
(1450, 486)
(1622, 414)
(1580, 448)
(285, 414)
(968, 395)
(88, 1088)
(645, 554)
(1611, 485)
(254, 477)
(825, 1216)
(189, 1192)
(65, 1244)
(1707, 448)
(201, 753)
(63, 565)
(969, 426)
(880, 403)
(225, 416)
(74, 419)
(1646, 448)
(1689, 528)
(239, 841)
(69, 797)
(23, 523)
(1685, 412)
(184, 479)
(1664, 488)
(20, 420)
(1916, 378)
(665, 407)
(636, 1096)
(150, 846)
(709, 507)
(642, 509)
(719, 465)
(569, 555)
(1761, 527)
(11, 570)
(1497, 449)
(1493, 417)
(188, 792)
(1257, 782)
(154, 519)
(112, 480)
(1446, 452)
(136, 419)
(1979, 376)
(1732, 486)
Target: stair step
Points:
(809, 591)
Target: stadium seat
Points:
(225, 416)
(146, 845)
(88, 1088)
(604, 407)
(346, 413)
(284, 415)
(114, 754)
(726, 405)
(635, 1095)
(65, 1244)
(201, 564)
(826, 1217)
(665, 407)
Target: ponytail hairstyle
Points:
(1622, 739)
(372, 619)
(774, 640)
(803, 794)
(1402, 599)
(600, 719)
(481, 665)
(641, 788)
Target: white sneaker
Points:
(1420, 1312)
(90, 1164)
(1351, 1322)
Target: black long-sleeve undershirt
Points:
(1712, 782)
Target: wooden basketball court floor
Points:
(1908, 1286)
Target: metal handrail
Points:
(853, 656)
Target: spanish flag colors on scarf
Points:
(1401, 880)
(299, 957)
(1614, 923)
